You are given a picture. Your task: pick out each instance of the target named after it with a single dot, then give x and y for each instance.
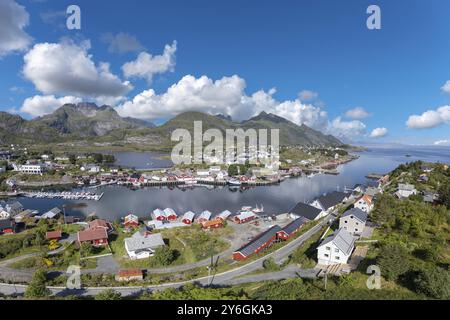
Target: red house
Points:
(259, 243)
(170, 214)
(97, 237)
(212, 224)
(131, 221)
(292, 228)
(7, 226)
(159, 215)
(101, 224)
(53, 235)
(244, 217)
(188, 217)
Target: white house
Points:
(405, 190)
(353, 221)
(202, 172)
(330, 201)
(365, 203)
(336, 249)
(143, 245)
(30, 168)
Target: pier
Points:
(64, 195)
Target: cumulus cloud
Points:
(146, 65)
(307, 95)
(41, 105)
(430, 118)
(13, 19)
(67, 68)
(347, 129)
(227, 96)
(442, 143)
(379, 133)
(122, 42)
(357, 113)
(446, 87)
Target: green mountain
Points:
(90, 123)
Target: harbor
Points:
(65, 195)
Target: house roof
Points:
(367, 198)
(406, 187)
(205, 215)
(92, 234)
(53, 234)
(143, 242)
(15, 205)
(6, 224)
(51, 213)
(294, 225)
(259, 240)
(169, 212)
(189, 215)
(305, 210)
(245, 215)
(135, 272)
(331, 199)
(341, 239)
(99, 223)
(357, 213)
(209, 223)
(224, 214)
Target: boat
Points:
(234, 182)
(258, 209)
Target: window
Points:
(326, 255)
(337, 258)
(336, 250)
(327, 248)
(356, 229)
(345, 221)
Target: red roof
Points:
(53, 235)
(92, 234)
(130, 273)
(99, 223)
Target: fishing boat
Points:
(258, 209)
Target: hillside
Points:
(92, 124)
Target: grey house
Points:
(353, 221)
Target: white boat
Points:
(258, 209)
(234, 182)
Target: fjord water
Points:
(119, 201)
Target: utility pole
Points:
(64, 213)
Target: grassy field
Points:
(190, 244)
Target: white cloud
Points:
(446, 87)
(357, 113)
(347, 129)
(442, 143)
(430, 118)
(307, 95)
(146, 65)
(122, 42)
(13, 19)
(66, 68)
(379, 133)
(41, 105)
(227, 96)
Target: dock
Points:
(64, 195)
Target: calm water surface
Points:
(118, 201)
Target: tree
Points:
(37, 287)
(164, 256)
(270, 265)
(72, 159)
(98, 158)
(393, 261)
(444, 195)
(86, 248)
(434, 282)
(108, 294)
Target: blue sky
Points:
(320, 46)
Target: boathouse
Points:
(159, 215)
(188, 217)
(259, 243)
(224, 215)
(131, 220)
(244, 217)
(212, 224)
(204, 216)
(170, 214)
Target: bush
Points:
(393, 261)
(37, 287)
(434, 282)
(108, 294)
(164, 256)
(271, 265)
